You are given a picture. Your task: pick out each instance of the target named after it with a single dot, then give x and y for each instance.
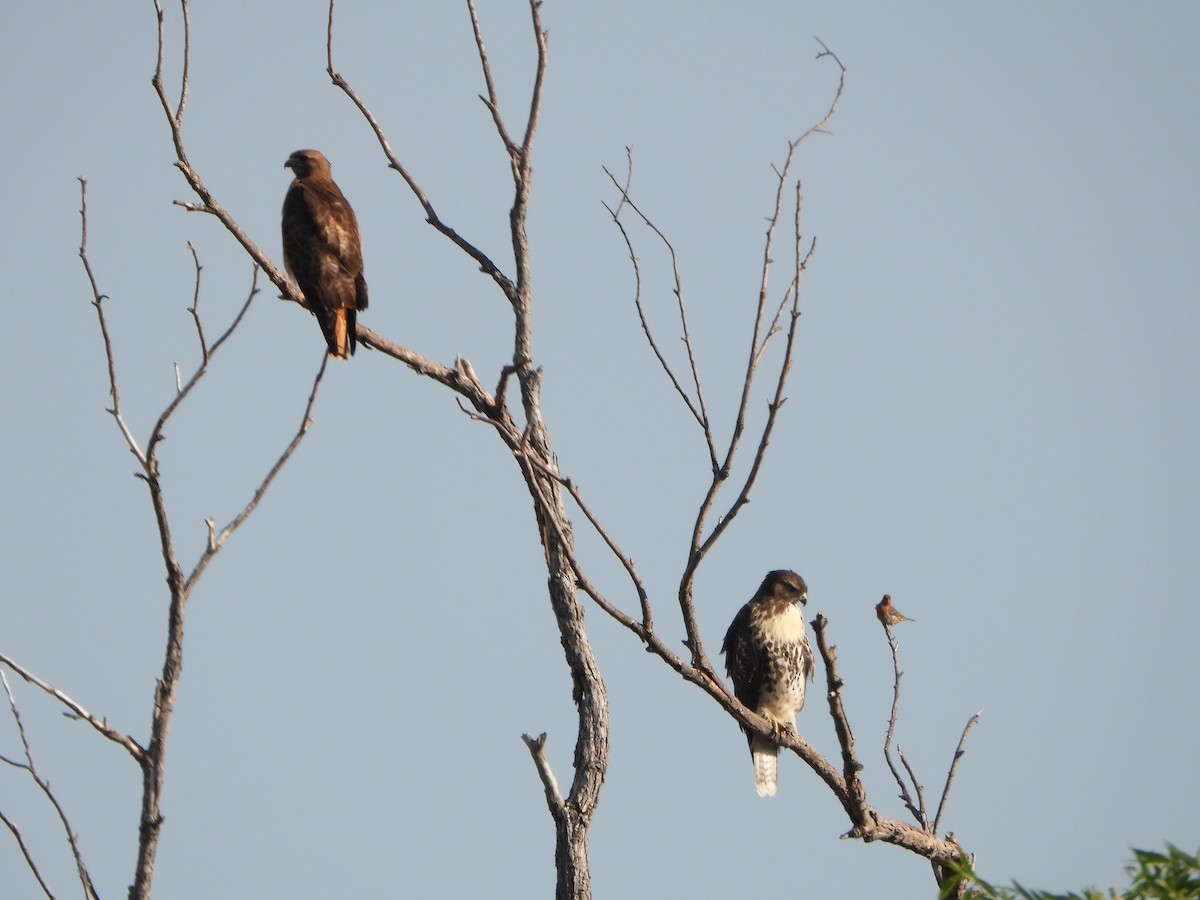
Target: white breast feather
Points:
(785, 629)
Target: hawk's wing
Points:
(322, 251)
(743, 660)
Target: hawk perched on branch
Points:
(322, 250)
(768, 657)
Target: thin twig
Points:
(485, 263)
(701, 544)
(85, 878)
(917, 811)
(208, 203)
(537, 749)
(156, 434)
(958, 753)
(922, 818)
(523, 300)
(539, 82)
(77, 711)
(698, 409)
(98, 302)
(491, 101)
(16, 833)
(647, 623)
(194, 309)
(856, 798)
(217, 538)
(185, 76)
(535, 472)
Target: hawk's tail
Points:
(343, 332)
(339, 330)
(766, 766)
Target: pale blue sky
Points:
(993, 417)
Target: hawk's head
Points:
(306, 162)
(785, 585)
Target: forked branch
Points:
(151, 758)
(484, 262)
(531, 448)
(85, 878)
(77, 710)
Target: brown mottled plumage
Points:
(322, 250)
(768, 657)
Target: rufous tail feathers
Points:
(341, 345)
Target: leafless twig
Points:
(98, 302)
(698, 409)
(531, 447)
(482, 259)
(537, 749)
(151, 758)
(923, 818)
(703, 538)
(916, 806)
(958, 753)
(207, 204)
(217, 538)
(194, 309)
(76, 710)
(85, 878)
(856, 796)
(918, 811)
(29, 860)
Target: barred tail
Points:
(766, 765)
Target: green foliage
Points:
(1174, 875)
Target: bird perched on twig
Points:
(768, 657)
(888, 614)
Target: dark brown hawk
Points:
(768, 657)
(322, 250)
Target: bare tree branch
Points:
(958, 753)
(532, 450)
(916, 783)
(490, 101)
(869, 824)
(207, 203)
(485, 263)
(76, 710)
(98, 302)
(698, 409)
(918, 811)
(194, 309)
(152, 758)
(917, 808)
(217, 538)
(847, 786)
(554, 798)
(29, 861)
(856, 795)
(530, 447)
(85, 878)
(704, 539)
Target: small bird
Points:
(322, 250)
(888, 614)
(768, 657)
